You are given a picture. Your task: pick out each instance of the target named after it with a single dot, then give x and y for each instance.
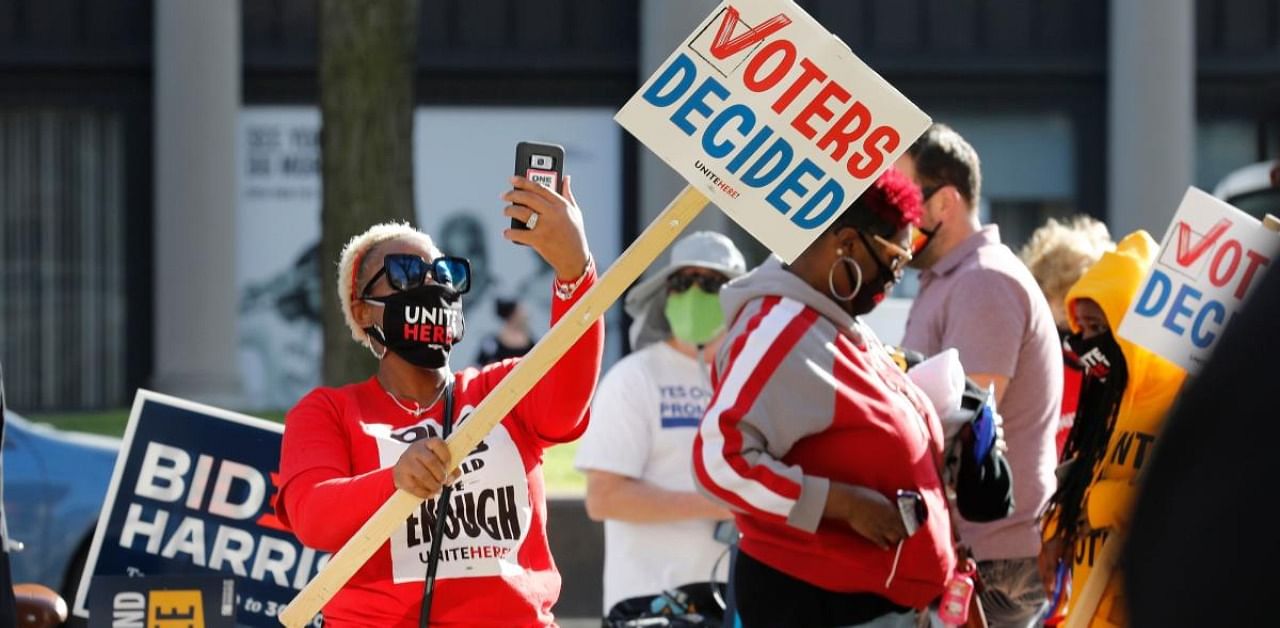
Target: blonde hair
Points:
(353, 257)
(1059, 253)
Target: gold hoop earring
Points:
(831, 282)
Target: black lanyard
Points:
(442, 511)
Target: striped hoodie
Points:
(806, 395)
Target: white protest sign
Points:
(1210, 258)
(774, 119)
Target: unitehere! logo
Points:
(736, 135)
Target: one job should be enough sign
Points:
(774, 118)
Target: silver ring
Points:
(532, 222)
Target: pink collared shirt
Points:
(980, 299)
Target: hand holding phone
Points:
(912, 510)
(554, 227)
(542, 164)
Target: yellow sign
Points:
(180, 608)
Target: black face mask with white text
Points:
(421, 325)
(1099, 357)
(1106, 375)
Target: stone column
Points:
(1151, 126)
(197, 101)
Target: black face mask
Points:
(1069, 359)
(1099, 357)
(422, 324)
(874, 290)
(1101, 392)
(923, 238)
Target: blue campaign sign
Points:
(193, 493)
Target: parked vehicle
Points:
(54, 486)
(1254, 189)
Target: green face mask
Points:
(695, 315)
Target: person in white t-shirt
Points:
(637, 451)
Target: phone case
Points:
(912, 510)
(541, 163)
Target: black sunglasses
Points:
(679, 282)
(927, 192)
(406, 272)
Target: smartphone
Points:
(540, 163)
(726, 532)
(912, 510)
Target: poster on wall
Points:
(278, 269)
(463, 157)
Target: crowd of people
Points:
(761, 458)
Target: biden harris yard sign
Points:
(774, 119)
(193, 493)
(1211, 257)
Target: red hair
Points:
(893, 199)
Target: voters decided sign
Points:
(193, 494)
(1211, 257)
(774, 119)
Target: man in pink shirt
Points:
(977, 297)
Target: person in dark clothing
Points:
(8, 617)
(1199, 533)
(513, 339)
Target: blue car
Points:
(54, 486)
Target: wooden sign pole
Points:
(1081, 610)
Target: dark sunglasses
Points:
(927, 191)
(406, 272)
(680, 282)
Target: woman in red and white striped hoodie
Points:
(813, 432)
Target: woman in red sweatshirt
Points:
(813, 431)
(347, 449)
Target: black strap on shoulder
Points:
(442, 511)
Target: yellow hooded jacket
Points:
(1153, 384)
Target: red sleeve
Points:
(555, 409)
(320, 499)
